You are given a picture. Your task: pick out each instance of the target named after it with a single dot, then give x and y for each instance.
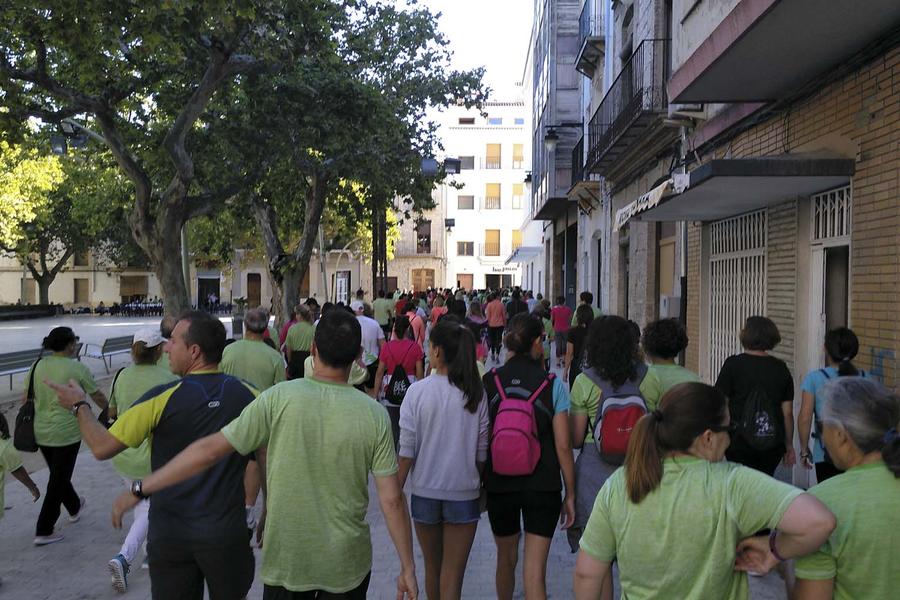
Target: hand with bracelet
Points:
(758, 554)
(806, 458)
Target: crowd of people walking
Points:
(544, 417)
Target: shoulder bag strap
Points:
(29, 396)
(112, 388)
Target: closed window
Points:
(467, 120)
(466, 163)
(82, 259)
(491, 242)
(495, 121)
(465, 202)
(492, 156)
(516, 239)
(81, 291)
(465, 248)
(519, 121)
(423, 237)
(492, 196)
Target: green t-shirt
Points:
(680, 540)
(300, 336)
(9, 462)
(133, 382)
(382, 309)
(586, 398)
(54, 425)
(862, 553)
(323, 441)
(253, 361)
(548, 337)
(671, 375)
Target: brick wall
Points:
(781, 277)
(862, 110)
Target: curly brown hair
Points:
(612, 349)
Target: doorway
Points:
(208, 292)
(465, 281)
(254, 290)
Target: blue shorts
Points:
(429, 511)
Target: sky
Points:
(489, 33)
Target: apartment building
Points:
(485, 203)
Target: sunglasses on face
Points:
(730, 429)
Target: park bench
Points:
(109, 348)
(18, 362)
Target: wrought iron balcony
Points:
(634, 101)
(578, 162)
(591, 43)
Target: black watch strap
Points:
(137, 489)
(78, 405)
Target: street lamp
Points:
(551, 139)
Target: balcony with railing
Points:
(492, 203)
(490, 250)
(635, 104)
(578, 162)
(590, 54)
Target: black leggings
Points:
(274, 592)
(766, 461)
(495, 337)
(61, 462)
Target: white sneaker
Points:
(43, 540)
(77, 516)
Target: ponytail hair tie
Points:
(657, 414)
(890, 435)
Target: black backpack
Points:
(398, 384)
(760, 423)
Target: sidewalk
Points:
(76, 567)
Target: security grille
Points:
(737, 284)
(831, 214)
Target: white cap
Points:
(150, 336)
(356, 305)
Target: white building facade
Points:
(486, 204)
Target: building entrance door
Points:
(208, 294)
(422, 279)
(465, 281)
(254, 289)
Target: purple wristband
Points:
(772, 547)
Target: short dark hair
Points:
(207, 332)
(59, 339)
(759, 333)
(560, 299)
(338, 338)
(586, 297)
(664, 338)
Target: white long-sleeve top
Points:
(444, 439)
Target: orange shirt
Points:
(495, 313)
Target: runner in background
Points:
(560, 315)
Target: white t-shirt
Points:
(371, 333)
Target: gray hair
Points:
(256, 320)
(868, 412)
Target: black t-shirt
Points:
(742, 373)
(514, 307)
(576, 337)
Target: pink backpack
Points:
(515, 446)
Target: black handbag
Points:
(23, 438)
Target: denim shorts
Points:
(429, 511)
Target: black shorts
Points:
(274, 592)
(538, 510)
(178, 569)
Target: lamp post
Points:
(551, 138)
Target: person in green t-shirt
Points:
(383, 311)
(586, 299)
(315, 544)
(860, 418)
(130, 384)
(299, 341)
(662, 342)
(677, 517)
(11, 462)
(614, 367)
(56, 429)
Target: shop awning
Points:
(764, 50)
(728, 187)
(523, 254)
(644, 203)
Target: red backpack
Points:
(618, 413)
(515, 446)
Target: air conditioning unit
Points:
(669, 307)
(687, 111)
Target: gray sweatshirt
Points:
(444, 439)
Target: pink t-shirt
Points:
(401, 350)
(561, 315)
(495, 313)
(436, 313)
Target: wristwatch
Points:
(137, 489)
(76, 406)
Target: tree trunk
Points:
(286, 292)
(167, 267)
(43, 284)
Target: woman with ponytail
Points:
(860, 418)
(443, 448)
(677, 517)
(841, 347)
